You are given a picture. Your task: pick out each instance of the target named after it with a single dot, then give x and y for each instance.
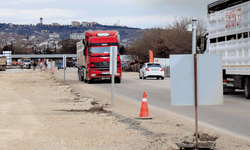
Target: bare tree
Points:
(201, 27)
(174, 39)
(19, 45)
(68, 46)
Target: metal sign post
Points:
(113, 69)
(195, 80)
(189, 89)
(64, 65)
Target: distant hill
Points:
(126, 33)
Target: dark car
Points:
(71, 64)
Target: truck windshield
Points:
(94, 50)
(26, 60)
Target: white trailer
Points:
(228, 35)
(80, 54)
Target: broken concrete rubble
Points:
(205, 141)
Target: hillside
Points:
(127, 33)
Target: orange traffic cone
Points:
(144, 114)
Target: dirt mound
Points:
(91, 110)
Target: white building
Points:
(76, 36)
(54, 35)
(85, 24)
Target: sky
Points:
(132, 13)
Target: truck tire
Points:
(117, 80)
(80, 75)
(84, 79)
(247, 87)
(89, 81)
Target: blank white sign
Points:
(209, 80)
(113, 58)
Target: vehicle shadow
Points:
(151, 79)
(235, 94)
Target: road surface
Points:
(232, 117)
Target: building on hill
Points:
(76, 36)
(75, 24)
(44, 31)
(32, 37)
(85, 24)
(92, 24)
(54, 35)
(55, 24)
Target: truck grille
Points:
(103, 69)
(104, 64)
(103, 75)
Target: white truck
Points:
(3, 63)
(228, 35)
(25, 63)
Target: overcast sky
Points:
(132, 13)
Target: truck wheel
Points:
(82, 78)
(247, 88)
(79, 76)
(89, 81)
(117, 80)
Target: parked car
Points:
(71, 64)
(149, 70)
(68, 64)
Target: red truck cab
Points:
(96, 56)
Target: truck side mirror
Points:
(88, 51)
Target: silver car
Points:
(151, 70)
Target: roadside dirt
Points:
(39, 111)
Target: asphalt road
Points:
(233, 116)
